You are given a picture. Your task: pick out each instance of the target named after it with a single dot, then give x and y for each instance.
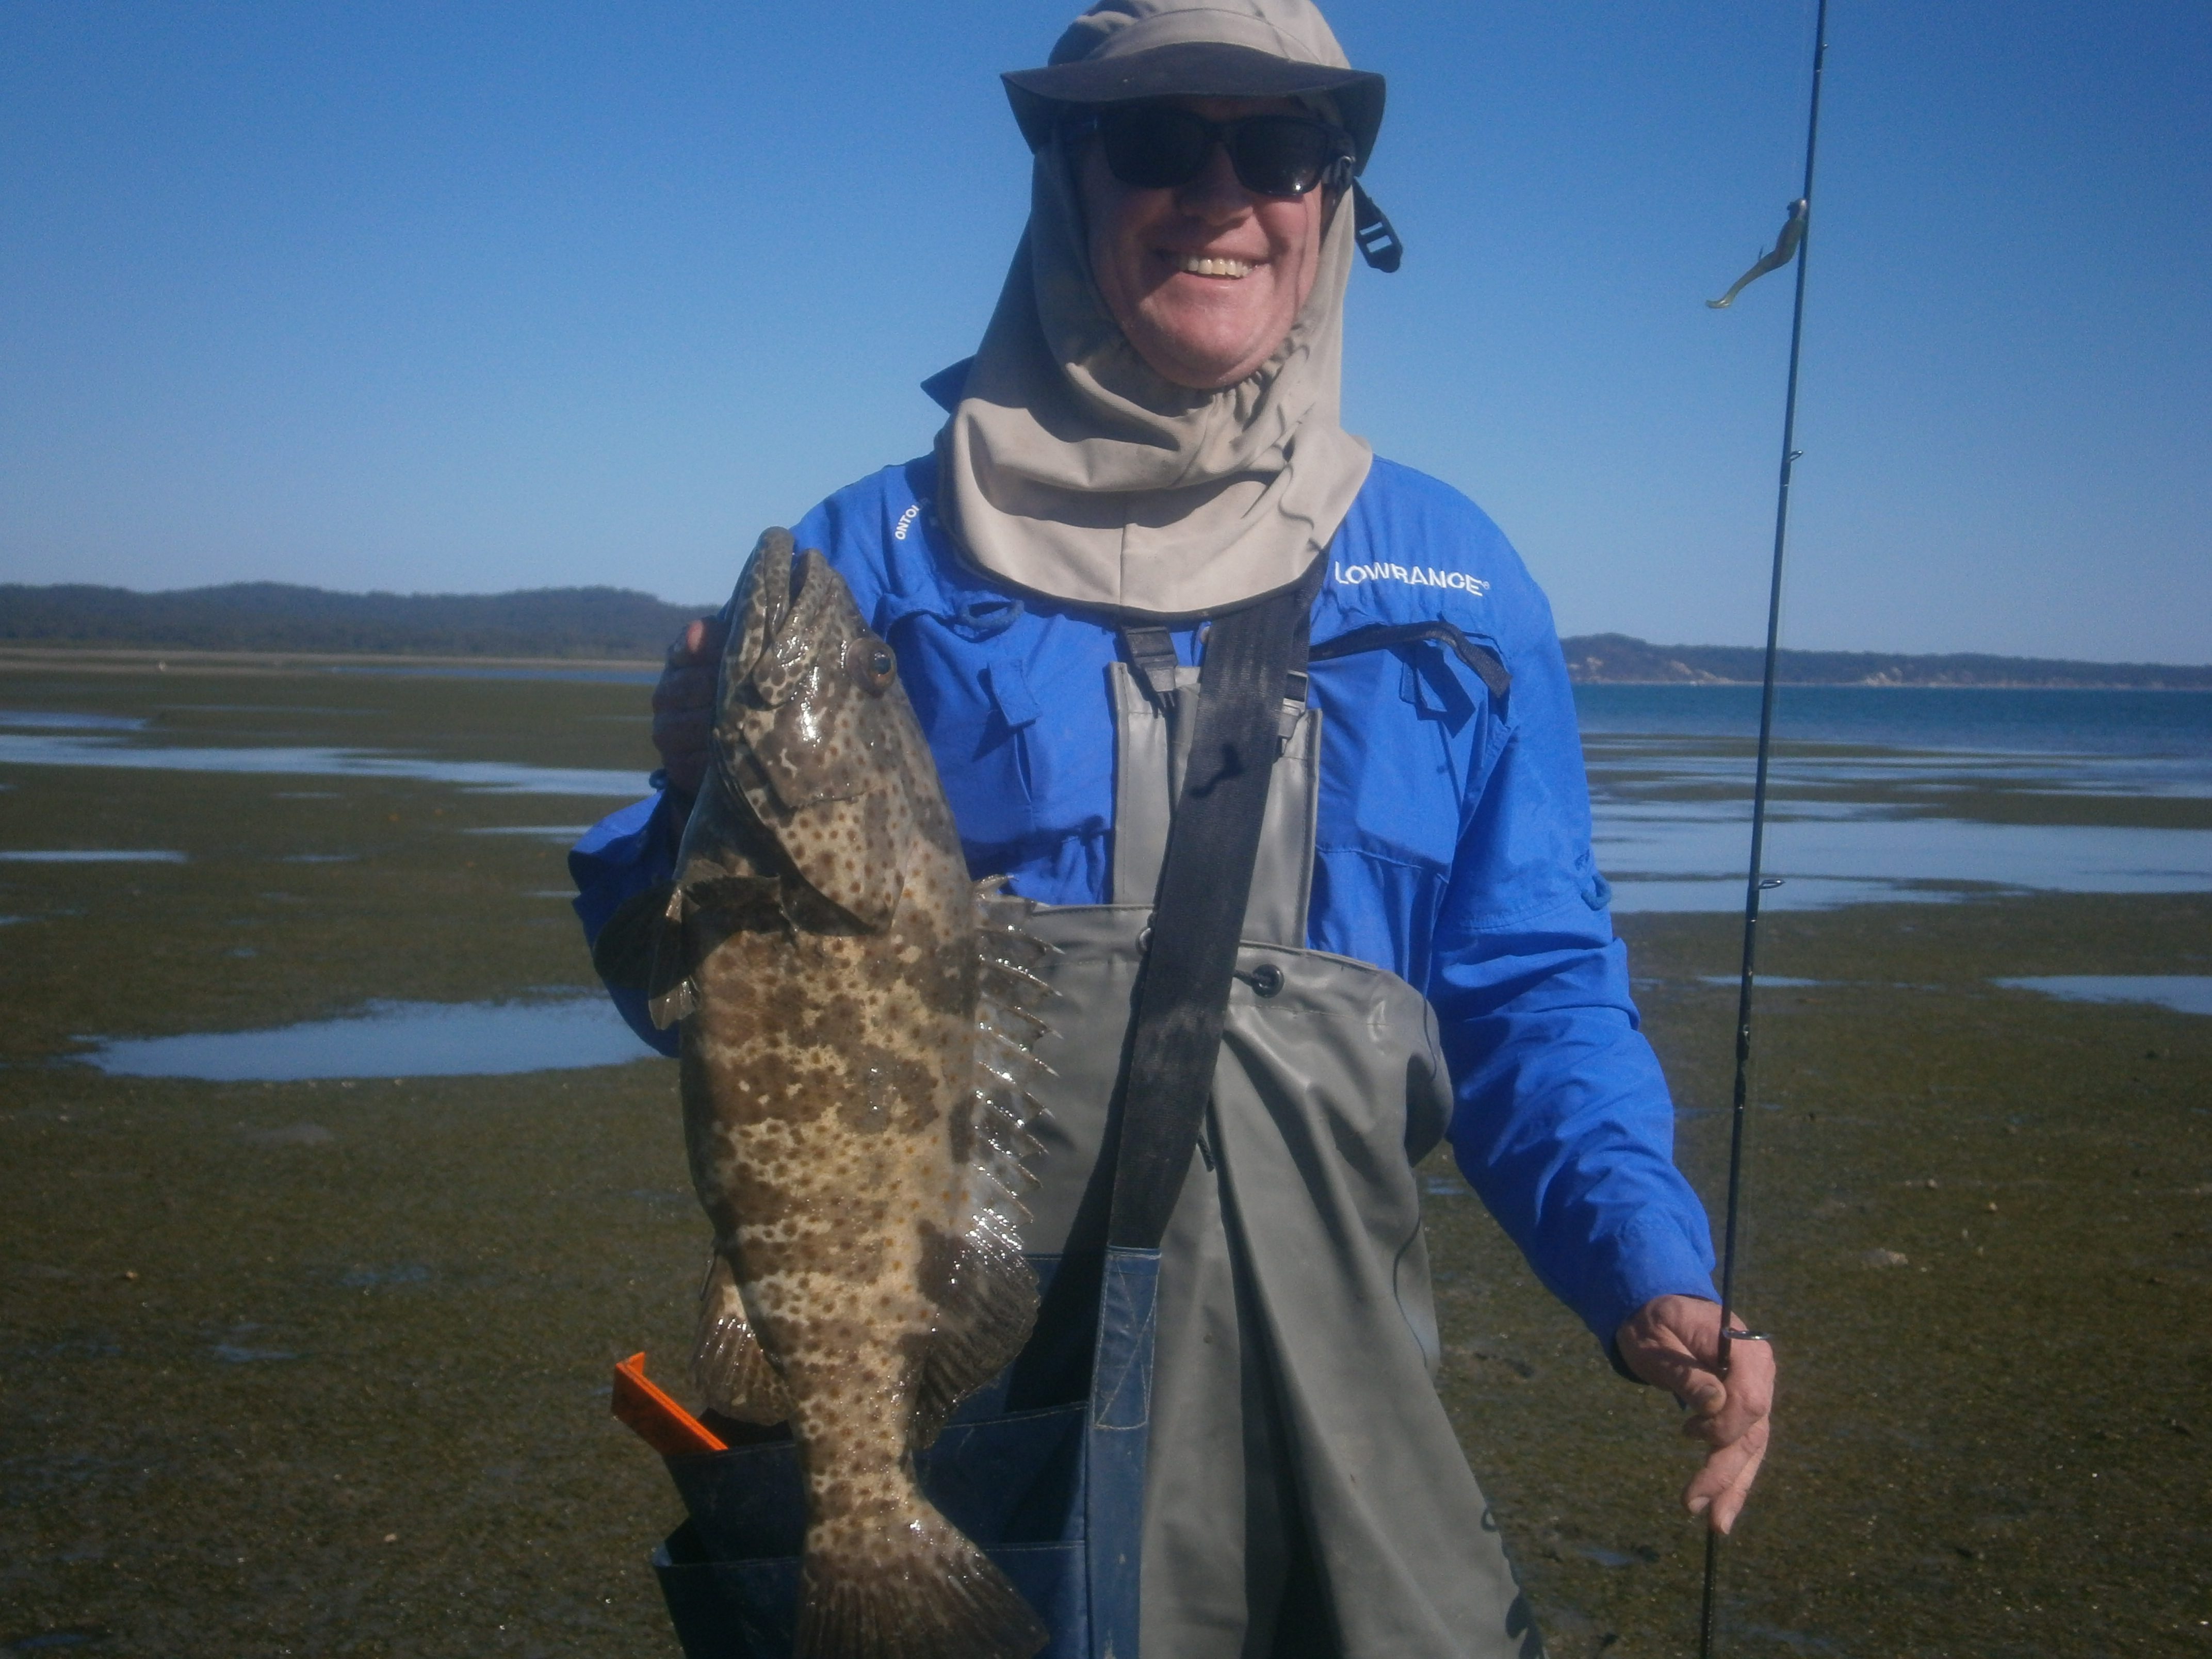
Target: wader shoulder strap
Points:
(1252, 658)
(1213, 840)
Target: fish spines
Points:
(1010, 956)
(918, 1589)
(1008, 1030)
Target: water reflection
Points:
(489, 777)
(1884, 795)
(390, 1040)
(91, 855)
(636, 676)
(1689, 856)
(2185, 993)
(60, 720)
(1635, 767)
(1984, 720)
(561, 833)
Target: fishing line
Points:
(1794, 240)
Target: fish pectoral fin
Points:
(734, 902)
(728, 1365)
(627, 948)
(917, 1589)
(719, 906)
(670, 994)
(641, 950)
(986, 1295)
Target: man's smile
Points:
(1202, 264)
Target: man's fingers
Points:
(1675, 1342)
(1718, 1490)
(683, 740)
(1726, 1413)
(683, 702)
(700, 645)
(705, 638)
(691, 686)
(686, 775)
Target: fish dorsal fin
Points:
(984, 1288)
(1011, 1021)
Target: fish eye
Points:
(873, 663)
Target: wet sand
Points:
(321, 1367)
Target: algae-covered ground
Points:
(321, 1367)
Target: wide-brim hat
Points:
(1124, 51)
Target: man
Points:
(1148, 438)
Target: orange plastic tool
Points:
(658, 1421)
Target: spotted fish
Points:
(856, 1026)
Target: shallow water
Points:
(2018, 720)
(390, 1040)
(486, 777)
(562, 834)
(439, 672)
(2185, 993)
(44, 720)
(1639, 765)
(102, 855)
(1690, 855)
(1888, 794)
(453, 1262)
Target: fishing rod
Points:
(1794, 242)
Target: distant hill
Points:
(545, 622)
(604, 622)
(1619, 659)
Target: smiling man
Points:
(1205, 279)
(1147, 444)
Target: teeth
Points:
(1213, 267)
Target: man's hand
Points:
(683, 702)
(1674, 1342)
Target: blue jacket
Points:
(1453, 846)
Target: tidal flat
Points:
(321, 1366)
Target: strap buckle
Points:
(1153, 654)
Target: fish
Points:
(858, 1026)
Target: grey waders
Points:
(1245, 1458)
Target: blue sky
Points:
(468, 296)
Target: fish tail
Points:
(917, 1590)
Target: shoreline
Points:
(1898, 685)
(152, 659)
(134, 660)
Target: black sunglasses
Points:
(1162, 146)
